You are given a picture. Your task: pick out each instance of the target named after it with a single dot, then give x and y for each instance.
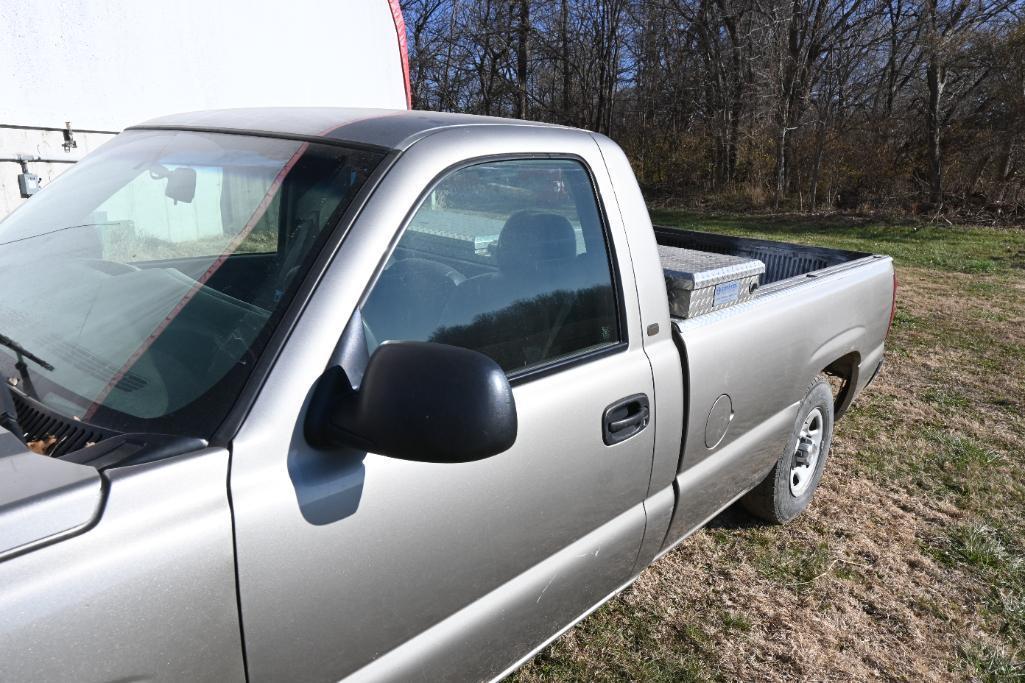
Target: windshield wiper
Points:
(22, 353)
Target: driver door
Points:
(354, 562)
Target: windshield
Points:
(138, 289)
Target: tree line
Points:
(800, 104)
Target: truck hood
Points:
(42, 499)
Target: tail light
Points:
(893, 304)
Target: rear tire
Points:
(788, 489)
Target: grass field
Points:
(910, 562)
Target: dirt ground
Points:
(910, 562)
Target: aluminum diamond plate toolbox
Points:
(699, 282)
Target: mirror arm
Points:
(332, 395)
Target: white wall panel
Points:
(107, 64)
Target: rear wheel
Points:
(788, 488)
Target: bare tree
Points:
(948, 27)
(522, 56)
(787, 103)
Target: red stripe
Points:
(400, 32)
(258, 213)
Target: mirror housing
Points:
(181, 182)
(181, 185)
(417, 401)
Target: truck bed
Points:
(785, 264)
(816, 311)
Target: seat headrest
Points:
(535, 240)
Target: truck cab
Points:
(383, 394)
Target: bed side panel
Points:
(763, 354)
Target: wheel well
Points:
(843, 379)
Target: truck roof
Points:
(390, 128)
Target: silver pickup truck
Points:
(308, 394)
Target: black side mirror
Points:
(418, 401)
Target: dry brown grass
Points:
(910, 562)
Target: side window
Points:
(508, 258)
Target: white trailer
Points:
(76, 72)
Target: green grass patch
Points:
(794, 566)
(956, 465)
(994, 555)
(978, 547)
(732, 621)
(904, 320)
(946, 398)
(670, 653)
(961, 453)
(989, 664)
(985, 288)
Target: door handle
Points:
(625, 418)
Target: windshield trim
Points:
(318, 139)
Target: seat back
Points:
(535, 243)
